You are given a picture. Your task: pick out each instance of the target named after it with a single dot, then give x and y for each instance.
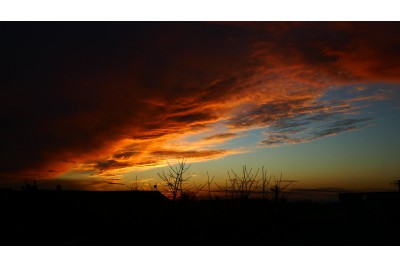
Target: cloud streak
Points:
(221, 136)
(306, 123)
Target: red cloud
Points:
(84, 92)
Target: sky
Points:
(93, 105)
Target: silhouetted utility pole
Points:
(209, 184)
(265, 182)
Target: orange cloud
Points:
(97, 98)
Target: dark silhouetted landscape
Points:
(56, 217)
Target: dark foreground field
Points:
(147, 218)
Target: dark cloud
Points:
(114, 183)
(328, 124)
(124, 154)
(110, 164)
(194, 117)
(341, 126)
(75, 92)
(276, 139)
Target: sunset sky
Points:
(92, 105)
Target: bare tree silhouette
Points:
(243, 185)
(174, 178)
(279, 187)
(252, 183)
(133, 185)
(237, 186)
(224, 189)
(191, 192)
